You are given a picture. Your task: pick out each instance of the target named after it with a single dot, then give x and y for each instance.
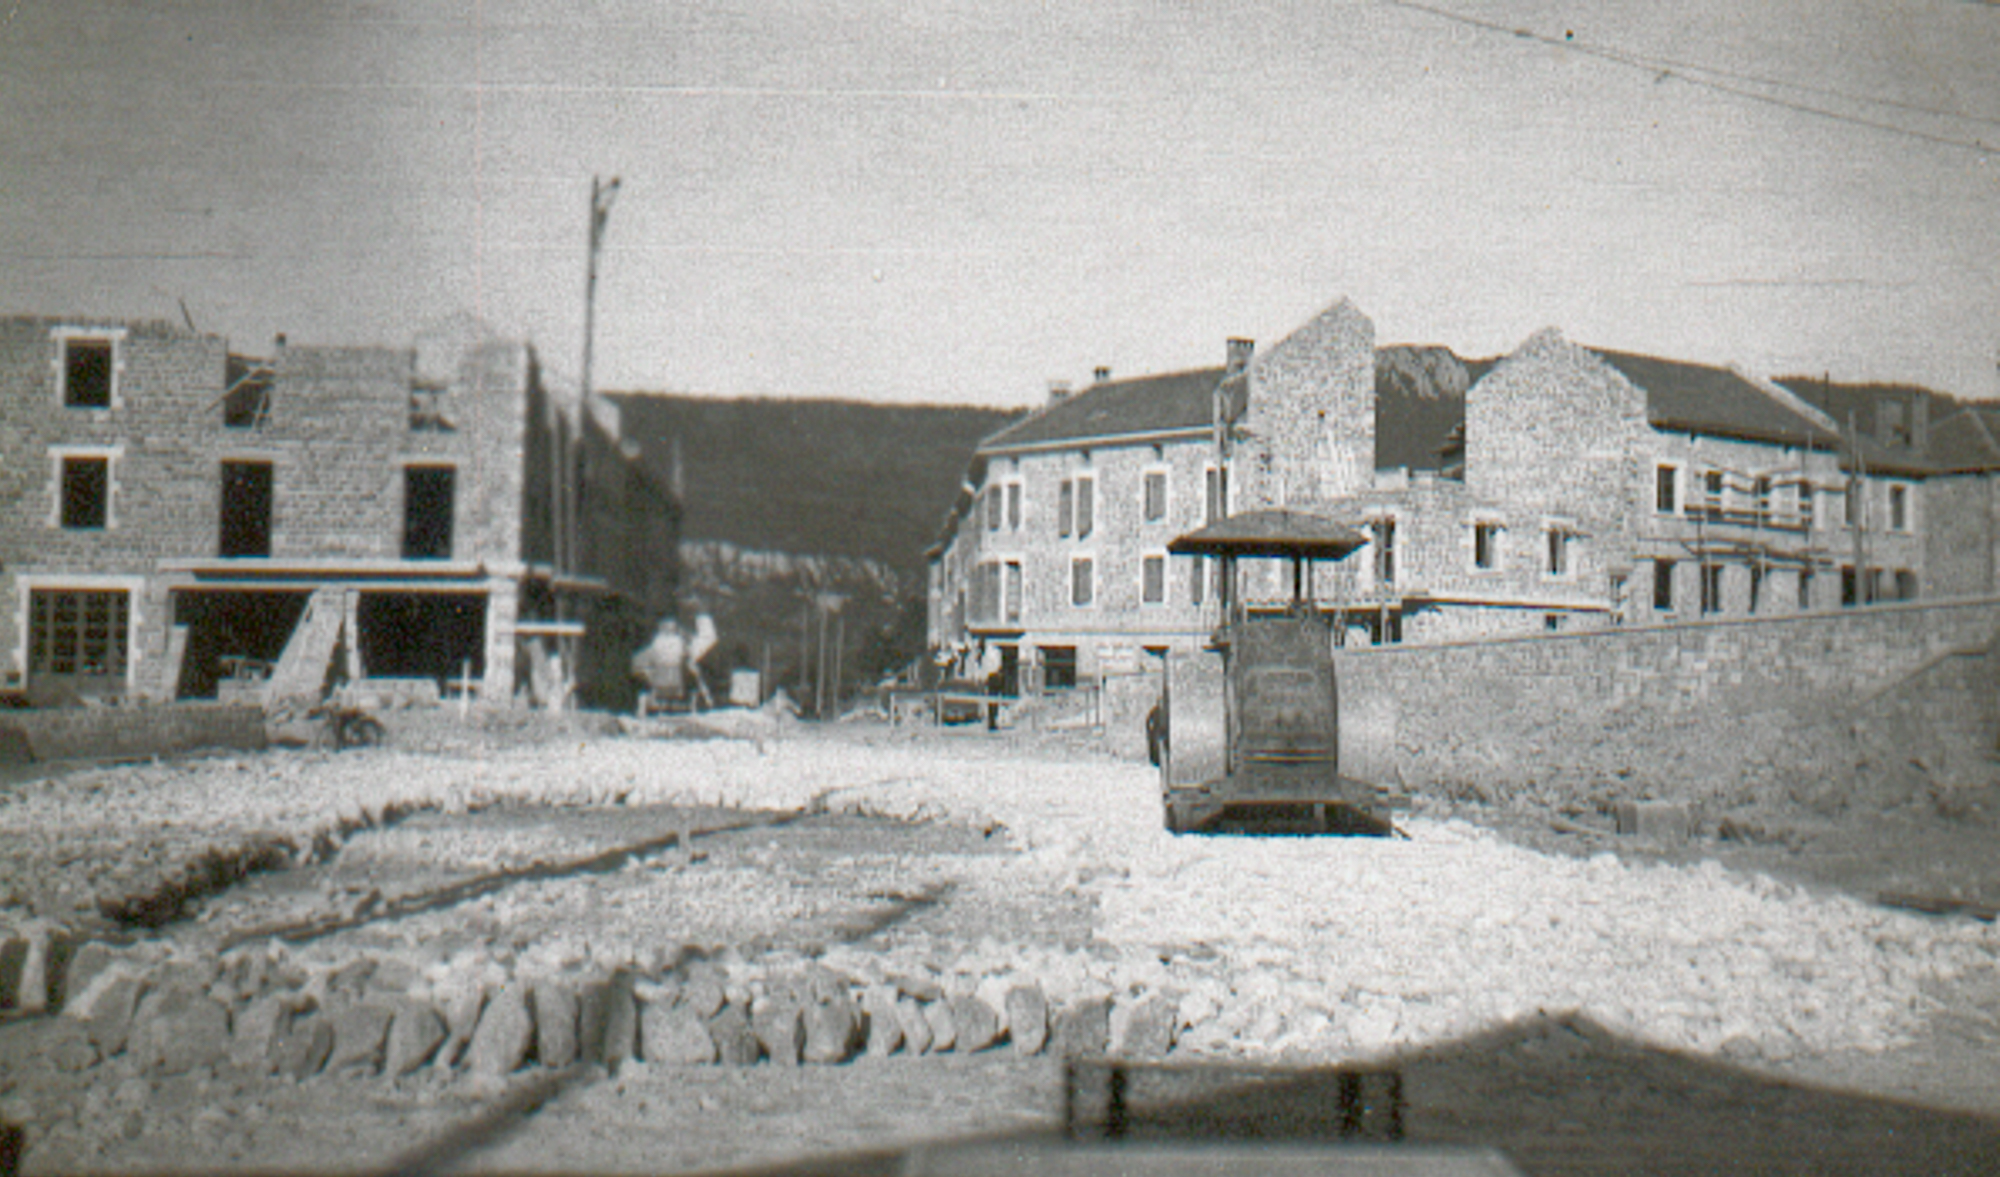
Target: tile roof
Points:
(1113, 408)
(1707, 399)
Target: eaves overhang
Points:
(1100, 441)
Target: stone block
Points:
(1081, 1029)
(920, 988)
(415, 1034)
(674, 1035)
(884, 1029)
(303, 1044)
(254, 1029)
(90, 959)
(832, 1026)
(1143, 1027)
(49, 949)
(106, 1007)
(943, 1027)
(178, 1030)
(703, 994)
(977, 1023)
(1668, 823)
(360, 1031)
(505, 1035)
(608, 1020)
(1027, 1018)
(555, 1024)
(915, 1026)
(461, 1009)
(779, 1024)
(736, 1043)
(70, 1049)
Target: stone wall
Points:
(119, 732)
(1824, 708)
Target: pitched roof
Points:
(1116, 408)
(1272, 532)
(1707, 399)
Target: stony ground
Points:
(960, 860)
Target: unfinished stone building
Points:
(178, 520)
(1558, 487)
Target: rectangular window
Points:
(1899, 508)
(1666, 489)
(87, 367)
(1763, 491)
(247, 404)
(1663, 586)
(1059, 667)
(1082, 585)
(1850, 586)
(1805, 588)
(1805, 502)
(1756, 587)
(1013, 506)
(1153, 580)
(1906, 585)
(78, 634)
(991, 498)
(1085, 506)
(1014, 589)
(1711, 588)
(86, 493)
(1558, 551)
(1156, 495)
(1485, 544)
(1197, 580)
(1217, 487)
(1065, 507)
(427, 512)
(246, 509)
(1385, 551)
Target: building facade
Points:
(1556, 487)
(170, 511)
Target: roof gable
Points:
(1117, 408)
(1703, 398)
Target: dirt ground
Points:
(1552, 1093)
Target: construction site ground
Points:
(1530, 962)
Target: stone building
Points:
(1553, 488)
(171, 512)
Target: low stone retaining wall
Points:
(267, 1010)
(138, 730)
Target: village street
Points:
(1005, 889)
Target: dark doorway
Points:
(427, 510)
(423, 635)
(246, 509)
(232, 633)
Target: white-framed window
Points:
(1215, 484)
(1711, 588)
(991, 502)
(1012, 590)
(77, 629)
(1663, 586)
(1086, 505)
(1803, 493)
(1382, 539)
(1014, 493)
(1082, 581)
(1899, 507)
(1197, 579)
(1559, 543)
(88, 362)
(1065, 507)
(1153, 492)
(1761, 487)
(1667, 489)
(1153, 578)
(83, 487)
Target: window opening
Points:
(78, 634)
(87, 370)
(246, 509)
(1156, 495)
(1065, 507)
(1666, 490)
(86, 493)
(1058, 667)
(1082, 586)
(427, 512)
(1385, 551)
(1663, 586)
(1014, 506)
(1153, 580)
(1013, 590)
(1485, 538)
(1711, 588)
(1085, 506)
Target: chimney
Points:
(1100, 375)
(1058, 392)
(1239, 354)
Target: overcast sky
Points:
(958, 201)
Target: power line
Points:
(1664, 68)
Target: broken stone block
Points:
(41, 981)
(304, 1042)
(106, 1007)
(944, 1029)
(916, 1027)
(88, 961)
(254, 1029)
(461, 1009)
(555, 1024)
(674, 1035)
(977, 1025)
(1027, 1018)
(608, 1021)
(831, 1028)
(178, 1030)
(1143, 1028)
(414, 1035)
(359, 1033)
(736, 1043)
(780, 1027)
(505, 1034)
(921, 988)
(1668, 823)
(884, 1027)
(1081, 1029)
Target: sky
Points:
(959, 201)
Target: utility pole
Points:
(1857, 505)
(602, 193)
